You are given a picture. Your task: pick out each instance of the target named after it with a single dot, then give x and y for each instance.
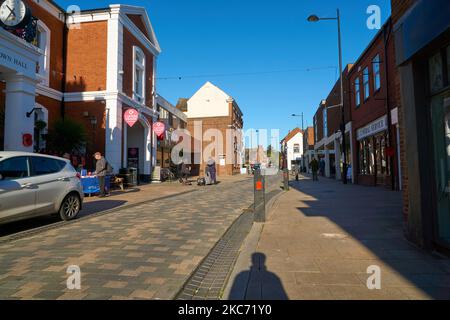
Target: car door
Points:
(17, 191)
(50, 182)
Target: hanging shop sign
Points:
(159, 128)
(131, 116)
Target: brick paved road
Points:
(143, 252)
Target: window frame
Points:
(357, 91)
(142, 67)
(15, 159)
(376, 67)
(366, 84)
(44, 70)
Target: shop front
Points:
(373, 162)
(138, 146)
(423, 57)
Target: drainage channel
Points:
(210, 278)
(35, 231)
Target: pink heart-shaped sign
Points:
(131, 116)
(159, 128)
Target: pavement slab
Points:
(321, 238)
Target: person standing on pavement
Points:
(211, 164)
(314, 165)
(184, 172)
(101, 171)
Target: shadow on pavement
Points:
(373, 216)
(248, 284)
(99, 206)
(89, 208)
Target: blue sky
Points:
(226, 37)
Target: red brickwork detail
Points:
(87, 57)
(129, 41)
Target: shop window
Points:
(436, 73)
(357, 92)
(42, 41)
(325, 122)
(366, 83)
(376, 72)
(139, 75)
(366, 157)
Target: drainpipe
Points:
(64, 67)
(386, 35)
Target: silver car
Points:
(33, 185)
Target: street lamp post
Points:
(314, 18)
(300, 115)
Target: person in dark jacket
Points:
(211, 164)
(184, 172)
(101, 168)
(314, 168)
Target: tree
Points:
(66, 136)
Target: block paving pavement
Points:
(147, 251)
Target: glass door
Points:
(440, 116)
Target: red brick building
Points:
(374, 113)
(215, 123)
(422, 40)
(92, 66)
(328, 128)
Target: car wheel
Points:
(70, 207)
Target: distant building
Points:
(292, 148)
(328, 130)
(173, 119)
(212, 108)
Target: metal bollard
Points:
(286, 179)
(259, 205)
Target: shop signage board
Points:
(131, 116)
(372, 128)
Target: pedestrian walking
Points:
(101, 170)
(208, 180)
(211, 164)
(314, 165)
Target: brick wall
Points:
(318, 119)
(87, 57)
(129, 41)
(53, 107)
(399, 8)
(219, 123)
(95, 137)
(137, 20)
